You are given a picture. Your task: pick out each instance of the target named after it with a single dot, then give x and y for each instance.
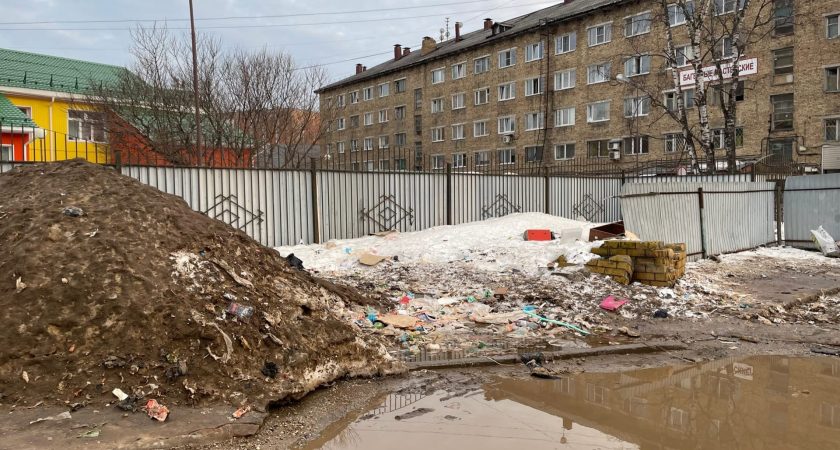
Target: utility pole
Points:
(198, 149)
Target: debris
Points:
(233, 274)
(91, 433)
(19, 286)
(826, 350)
(631, 236)
(607, 231)
(72, 211)
(667, 293)
(557, 323)
(398, 321)
(501, 292)
(498, 318)
(113, 361)
(534, 364)
(120, 394)
(386, 233)
(130, 404)
(274, 339)
(763, 320)
(25, 376)
(63, 416)
(661, 314)
(369, 259)
(156, 410)
(240, 311)
(241, 412)
(611, 304)
(330, 245)
(752, 339)
(92, 233)
(270, 369)
(825, 242)
(538, 235)
(716, 258)
(295, 262)
(65, 280)
(629, 332)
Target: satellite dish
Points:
(442, 30)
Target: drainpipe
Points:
(52, 135)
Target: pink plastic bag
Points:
(611, 304)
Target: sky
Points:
(353, 31)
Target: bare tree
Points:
(257, 107)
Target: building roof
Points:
(11, 116)
(528, 22)
(53, 73)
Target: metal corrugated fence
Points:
(735, 218)
(591, 198)
(736, 178)
(806, 210)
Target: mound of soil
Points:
(134, 294)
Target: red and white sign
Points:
(747, 67)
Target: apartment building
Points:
(544, 88)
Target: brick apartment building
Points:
(543, 88)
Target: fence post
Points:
(316, 226)
(449, 193)
(118, 159)
(547, 192)
(702, 221)
(779, 200)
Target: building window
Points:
(400, 164)
(329, 149)
(368, 119)
(637, 145)
(459, 71)
(719, 139)
(368, 143)
(534, 52)
(6, 153)
(458, 132)
(832, 26)
(399, 112)
(85, 126)
(507, 124)
(437, 134)
(782, 111)
(636, 25)
(832, 79)
(832, 129)
(674, 143)
(340, 102)
(727, 50)
(480, 128)
(437, 105)
(566, 43)
(507, 58)
(459, 160)
(340, 146)
(564, 117)
(534, 86)
(782, 147)
(678, 11)
(354, 97)
(355, 167)
(400, 140)
(368, 166)
(438, 75)
(564, 151)
(418, 98)
(418, 154)
(636, 107)
(679, 419)
(399, 86)
(534, 153)
(438, 162)
(564, 80)
(671, 99)
(341, 123)
(507, 91)
(384, 164)
(714, 93)
(534, 121)
(600, 34)
(783, 66)
(598, 149)
(782, 17)
(482, 96)
(481, 65)
(367, 93)
(354, 145)
(637, 65)
(384, 89)
(727, 6)
(459, 101)
(383, 116)
(598, 112)
(482, 158)
(684, 55)
(599, 73)
(384, 141)
(418, 125)
(507, 156)
(354, 121)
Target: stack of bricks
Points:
(652, 263)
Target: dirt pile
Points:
(108, 283)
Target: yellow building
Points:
(52, 91)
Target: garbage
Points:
(88, 434)
(536, 367)
(72, 211)
(240, 311)
(497, 318)
(629, 332)
(500, 293)
(538, 235)
(398, 321)
(661, 314)
(295, 262)
(825, 242)
(570, 235)
(156, 411)
(241, 412)
(25, 376)
(270, 369)
(557, 323)
(63, 416)
(611, 304)
(369, 259)
(19, 285)
(120, 394)
(607, 231)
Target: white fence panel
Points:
(806, 210)
(735, 217)
(479, 197)
(592, 198)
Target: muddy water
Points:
(760, 403)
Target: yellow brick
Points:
(611, 244)
(603, 251)
(629, 244)
(644, 276)
(661, 277)
(636, 252)
(680, 264)
(667, 253)
(605, 263)
(596, 269)
(659, 283)
(644, 260)
(621, 258)
(624, 266)
(622, 280)
(676, 247)
(618, 251)
(592, 262)
(661, 261)
(616, 272)
(657, 269)
(653, 245)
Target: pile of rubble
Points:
(652, 263)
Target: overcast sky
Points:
(311, 37)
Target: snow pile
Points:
(491, 245)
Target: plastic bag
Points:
(825, 242)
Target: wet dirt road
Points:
(757, 403)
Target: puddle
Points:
(759, 403)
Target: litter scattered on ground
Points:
(824, 242)
(90, 434)
(156, 411)
(63, 416)
(241, 412)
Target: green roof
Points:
(11, 116)
(53, 73)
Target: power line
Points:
(488, 11)
(243, 17)
(221, 27)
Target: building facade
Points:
(550, 88)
